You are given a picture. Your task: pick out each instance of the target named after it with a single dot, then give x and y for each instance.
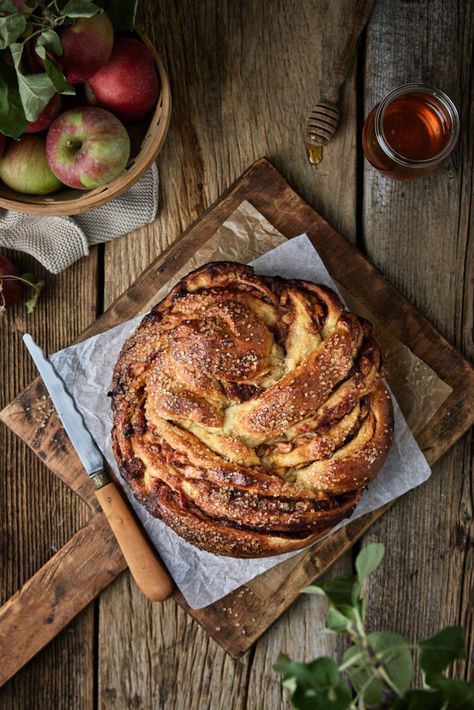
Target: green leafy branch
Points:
(27, 279)
(34, 30)
(378, 665)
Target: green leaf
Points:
(55, 73)
(12, 117)
(80, 8)
(339, 619)
(11, 27)
(37, 287)
(316, 685)
(420, 700)
(438, 651)
(321, 672)
(122, 14)
(393, 651)
(338, 698)
(313, 589)
(283, 664)
(7, 7)
(49, 39)
(341, 591)
(369, 559)
(458, 693)
(31, 280)
(362, 676)
(36, 90)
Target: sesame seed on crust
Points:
(250, 412)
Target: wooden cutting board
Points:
(91, 559)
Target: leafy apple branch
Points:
(29, 280)
(378, 665)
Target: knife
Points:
(147, 570)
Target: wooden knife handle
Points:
(149, 573)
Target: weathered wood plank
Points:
(420, 235)
(243, 77)
(38, 514)
(253, 610)
(209, 144)
(51, 598)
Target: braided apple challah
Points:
(250, 412)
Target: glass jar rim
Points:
(447, 104)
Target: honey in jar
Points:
(410, 132)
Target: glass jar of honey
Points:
(410, 132)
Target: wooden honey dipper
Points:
(324, 119)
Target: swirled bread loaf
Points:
(250, 412)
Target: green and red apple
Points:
(87, 147)
(24, 168)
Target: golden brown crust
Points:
(249, 412)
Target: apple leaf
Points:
(49, 39)
(37, 286)
(7, 7)
(80, 8)
(12, 117)
(360, 674)
(369, 559)
(56, 75)
(36, 90)
(341, 591)
(55, 72)
(314, 686)
(440, 650)
(393, 651)
(122, 14)
(11, 27)
(339, 619)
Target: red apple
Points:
(46, 116)
(127, 84)
(3, 142)
(24, 167)
(87, 147)
(87, 45)
(10, 288)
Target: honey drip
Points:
(314, 153)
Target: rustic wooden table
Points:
(244, 76)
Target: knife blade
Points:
(71, 418)
(148, 571)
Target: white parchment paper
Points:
(204, 578)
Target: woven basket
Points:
(149, 141)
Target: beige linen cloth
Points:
(57, 242)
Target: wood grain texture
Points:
(238, 620)
(38, 514)
(146, 568)
(242, 77)
(42, 607)
(420, 234)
